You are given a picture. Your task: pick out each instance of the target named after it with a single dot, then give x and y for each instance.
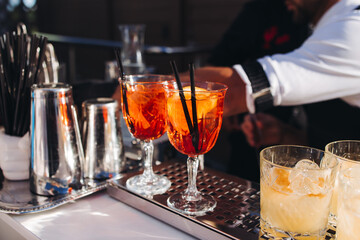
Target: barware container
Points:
(56, 156)
(102, 139)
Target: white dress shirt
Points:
(326, 66)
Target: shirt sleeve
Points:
(248, 89)
(326, 66)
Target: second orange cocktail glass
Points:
(209, 98)
(144, 110)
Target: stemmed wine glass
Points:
(194, 120)
(144, 109)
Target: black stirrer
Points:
(4, 96)
(41, 56)
(10, 68)
(120, 65)
(32, 60)
(195, 137)
(123, 86)
(21, 61)
(182, 98)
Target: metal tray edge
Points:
(178, 220)
(56, 203)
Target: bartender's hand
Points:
(263, 130)
(231, 123)
(235, 96)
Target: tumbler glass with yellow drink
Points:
(296, 185)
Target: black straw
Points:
(4, 105)
(42, 46)
(20, 84)
(123, 87)
(195, 137)
(182, 98)
(118, 58)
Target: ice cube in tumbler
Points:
(304, 179)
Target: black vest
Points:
(331, 121)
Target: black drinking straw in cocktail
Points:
(123, 86)
(205, 101)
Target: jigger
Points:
(56, 150)
(102, 139)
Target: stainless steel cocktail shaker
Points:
(102, 139)
(56, 150)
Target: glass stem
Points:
(148, 148)
(191, 193)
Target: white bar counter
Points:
(97, 216)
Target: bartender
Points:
(326, 66)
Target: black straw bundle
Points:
(21, 56)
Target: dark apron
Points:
(331, 121)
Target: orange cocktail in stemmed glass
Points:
(144, 109)
(194, 137)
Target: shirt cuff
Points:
(275, 88)
(249, 98)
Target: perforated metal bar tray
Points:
(236, 216)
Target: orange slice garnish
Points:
(206, 102)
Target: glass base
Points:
(198, 207)
(148, 186)
(269, 232)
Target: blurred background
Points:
(84, 33)
(196, 23)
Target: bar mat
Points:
(236, 216)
